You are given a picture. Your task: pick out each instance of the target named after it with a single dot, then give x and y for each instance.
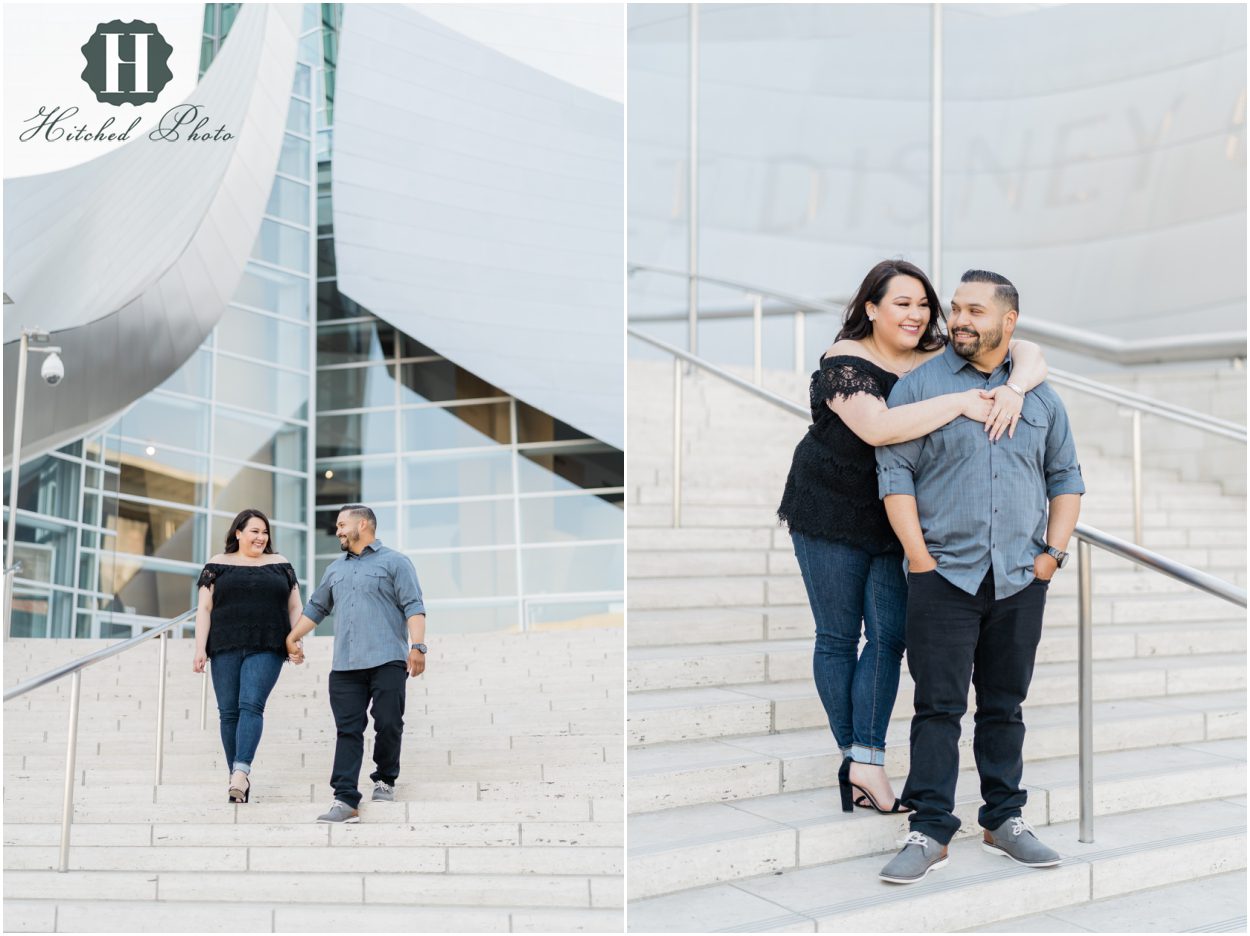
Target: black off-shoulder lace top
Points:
(831, 491)
(249, 606)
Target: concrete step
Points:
(1131, 853)
(716, 712)
(694, 846)
(1204, 905)
(132, 916)
(685, 773)
(696, 665)
(509, 812)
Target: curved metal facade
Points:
(129, 260)
(477, 207)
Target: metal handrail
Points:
(1066, 337)
(1086, 536)
(74, 670)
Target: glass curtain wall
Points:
(512, 518)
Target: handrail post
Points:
(204, 699)
(160, 708)
(1137, 486)
(677, 370)
(757, 321)
(800, 340)
(67, 804)
(1085, 679)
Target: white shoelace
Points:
(1019, 826)
(383, 785)
(915, 838)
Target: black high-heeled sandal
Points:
(866, 800)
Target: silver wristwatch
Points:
(422, 647)
(1058, 555)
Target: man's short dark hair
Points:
(360, 510)
(1006, 291)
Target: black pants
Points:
(351, 691)
(954, 637)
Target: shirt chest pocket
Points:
(375, 583)
(960, 438)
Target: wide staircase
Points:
(508, 813)
(735, 822)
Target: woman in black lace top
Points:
(249, 600)
(849, 556)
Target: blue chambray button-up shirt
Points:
(372, 596)
(982, 505)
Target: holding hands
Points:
(294, 649)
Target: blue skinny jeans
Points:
(852, 592)
(242, 681)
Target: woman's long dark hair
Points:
(232, 544)
(855, 325)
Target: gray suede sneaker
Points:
(1016, 839)
(383, 792)
(919, 856)
(340, 812)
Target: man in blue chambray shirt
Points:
(378, 643)
(981, 548)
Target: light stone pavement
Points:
(735, 823)
(508, 813)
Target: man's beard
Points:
(984, 341)
(345, 544)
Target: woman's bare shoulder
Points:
(847, 347)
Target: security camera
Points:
(53, 371)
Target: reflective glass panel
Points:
(332, 304)
(355, 482)
(279, 496)
(303, 81)
(468, 523)
(588, 465)
(41, 612)
(477, 619)
(45, 549)
(354, 342)
(467, 574)
(263, 337)
(325, 256)
(261, 439)
(355, 387)
(295, 157)
(192, 378)
(283, 293)
(534, 425)
(48, 485)
(538, 611)
(356, 434)
(139, 587)
(437, 381)
(456, 427)
(154, 530)
(162, 474)
(282, 244)
(156, 418)
(298, 116)
(563, 569)
(254, 386)
(576, 517)
(464, 475)
(288, 199)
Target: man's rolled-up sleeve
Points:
(896, 464)
(1063, 471)
(321, 602)
(408, 589)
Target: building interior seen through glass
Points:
(301, 401)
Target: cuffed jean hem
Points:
(862, 754)
(245, 768)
